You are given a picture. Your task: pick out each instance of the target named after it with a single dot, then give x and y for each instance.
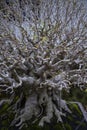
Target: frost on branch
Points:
(43, 50)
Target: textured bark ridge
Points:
(41, 53)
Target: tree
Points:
(43, 51)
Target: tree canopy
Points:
(43, 52)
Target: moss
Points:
(75, 95)
(76, 108)
(58, 126)
(83, 124)
(67, 126)
(4, 108)
(70, 118)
